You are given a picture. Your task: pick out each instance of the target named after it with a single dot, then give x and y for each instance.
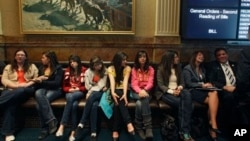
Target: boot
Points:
(147, 121)
(139, 128)
(149, 133)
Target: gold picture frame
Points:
(68, 16)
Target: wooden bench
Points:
(158, 107)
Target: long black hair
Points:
(193, 59)
(137, 63)
(167, 61)
(53, 59)
(77, 59)
(117, 62)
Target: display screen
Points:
(215, 19)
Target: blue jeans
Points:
(71, 107)
(184, 105)
(43, 98)
(10, 100)
(142, 105)
(90, 111)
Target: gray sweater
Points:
(90, 85)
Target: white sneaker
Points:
(72, 138)
(10, 138)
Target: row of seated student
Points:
(177, 88)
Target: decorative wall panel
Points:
(167, 17)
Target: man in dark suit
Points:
(243, 85)
(222, 74)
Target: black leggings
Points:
(120, 112)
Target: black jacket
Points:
(215, 73)
(54, 81)
(243, 72)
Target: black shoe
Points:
(115, 138)
(216, 131)
(52, 126)
(79, 132)
(43, 134)
(93, 138)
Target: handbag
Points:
(107, 104)
(169, 130)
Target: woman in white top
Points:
(171, 91)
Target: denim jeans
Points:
(90, 112)
(120, 112)
(10, 105)
(184, 105)
(43, 98)
(71, 107)
(142, 105)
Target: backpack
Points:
(169, 130)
